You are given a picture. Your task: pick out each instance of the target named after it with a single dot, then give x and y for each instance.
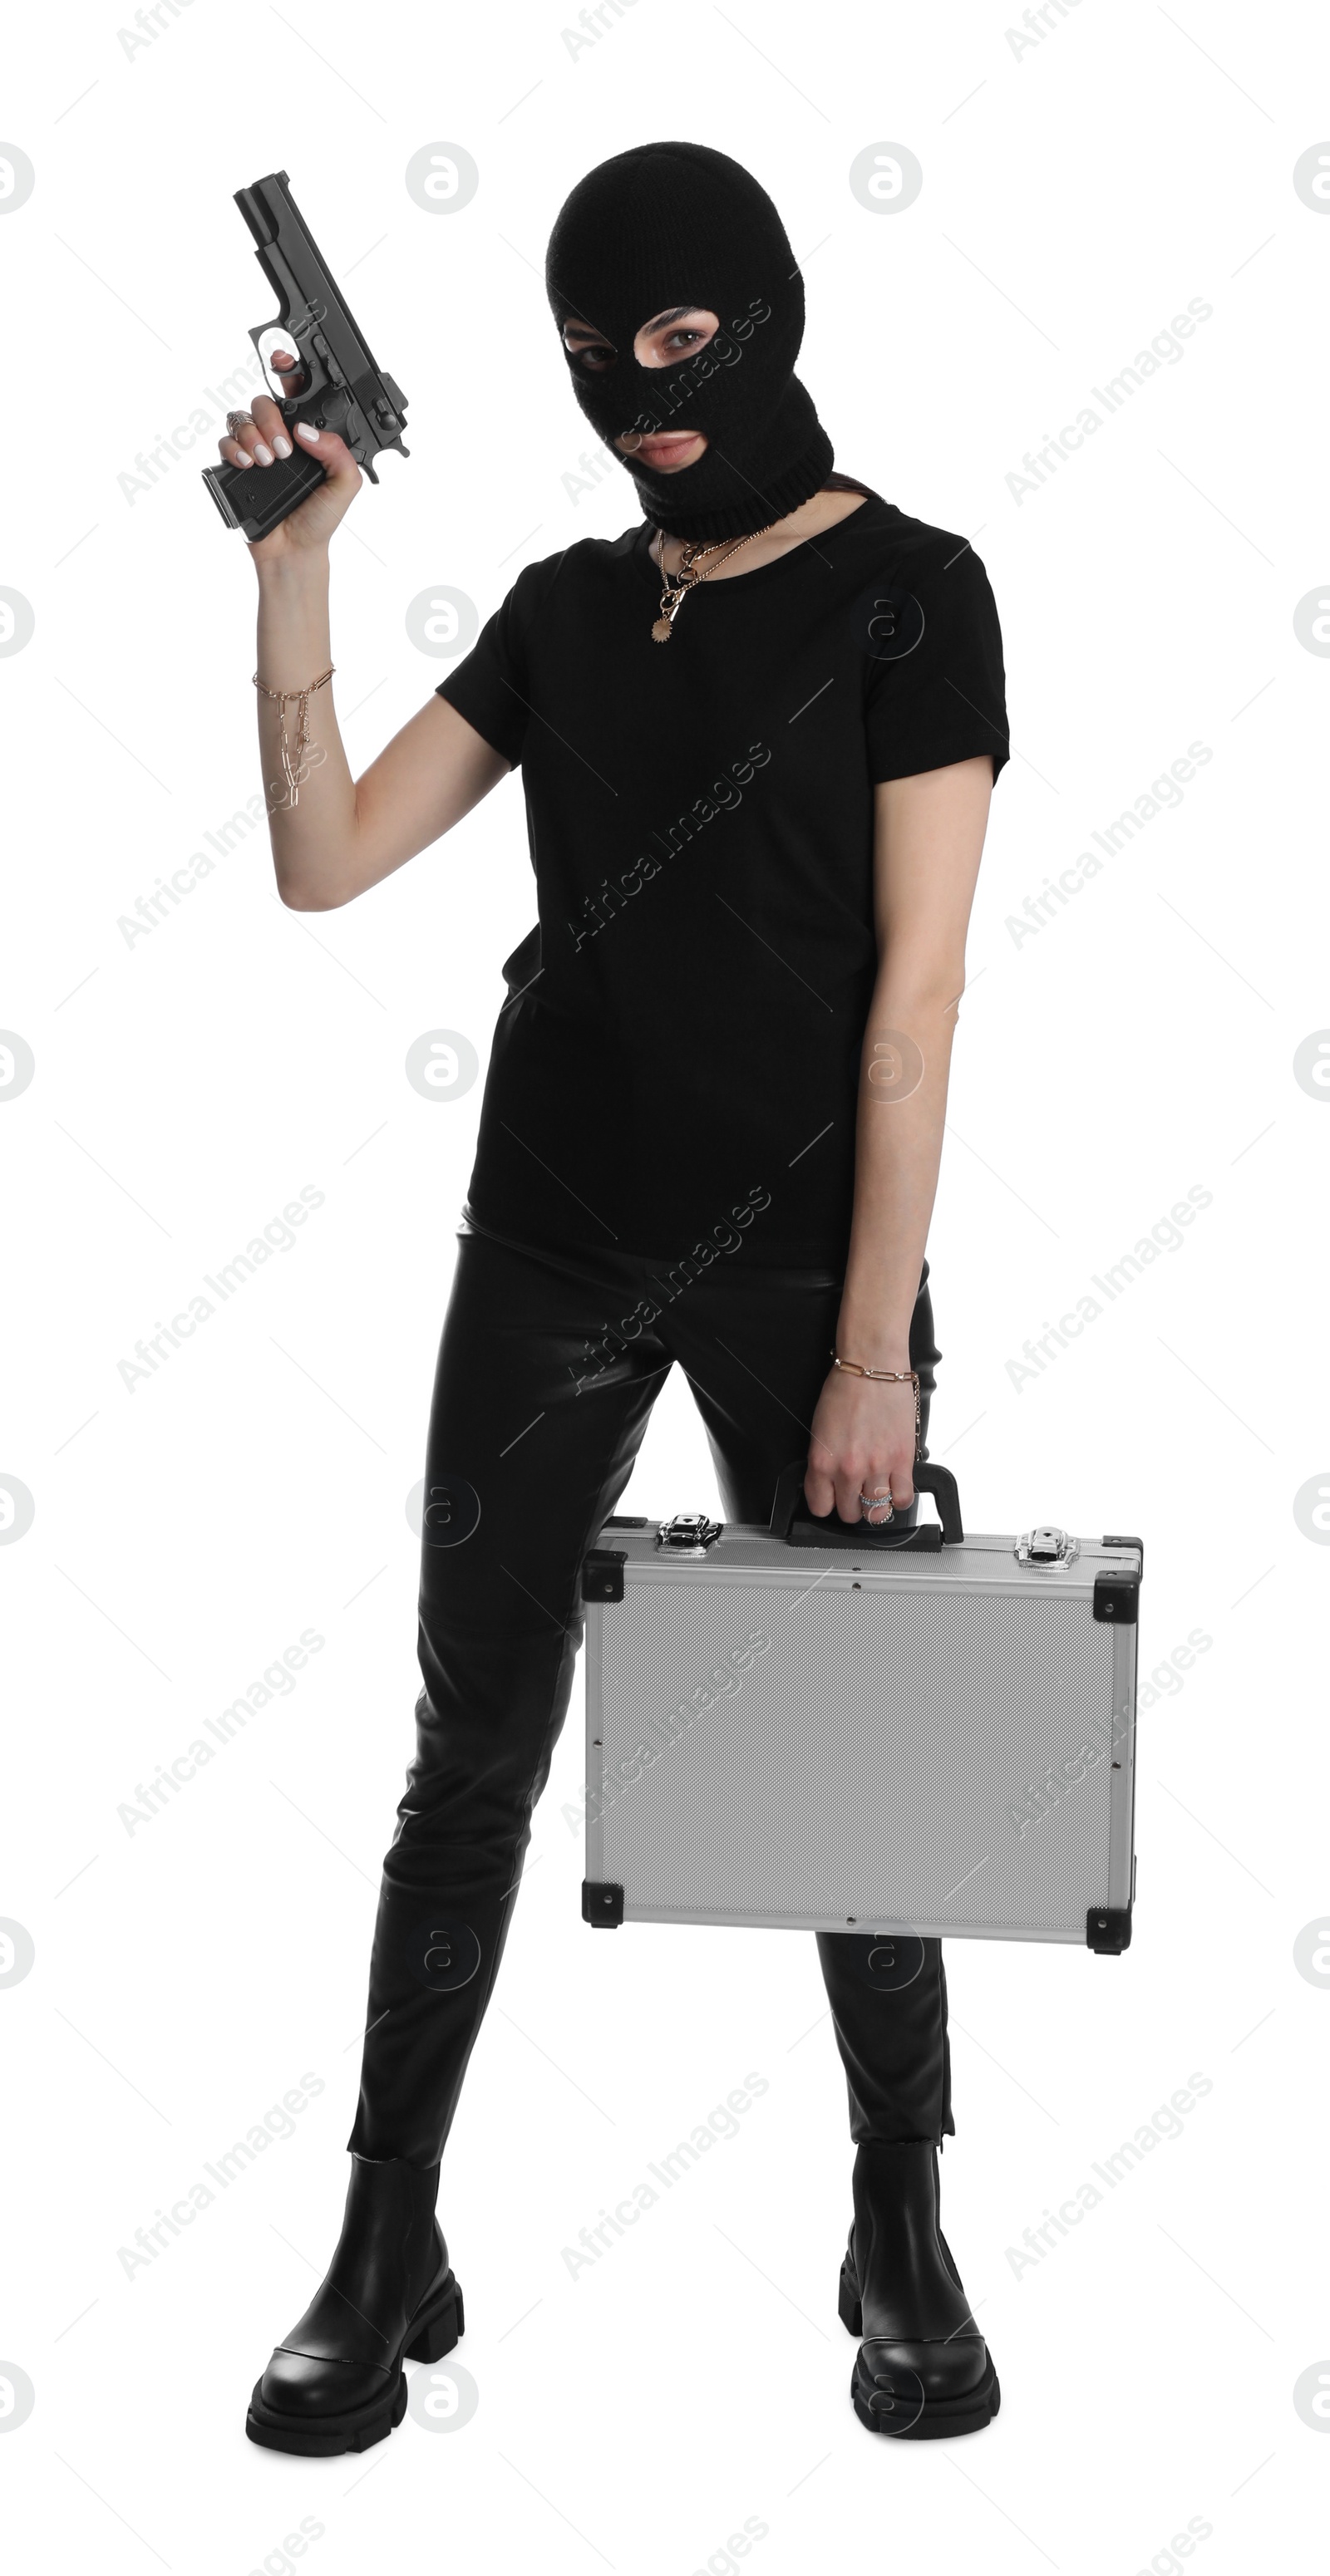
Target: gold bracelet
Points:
(290, 766)
(892, 1377)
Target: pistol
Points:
(343, 388)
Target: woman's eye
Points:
(593, 362)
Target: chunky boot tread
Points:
(938, 2417)
(323, 2436)
(923, 2370)
(337, 2383)
(433, 2331)
(436, 2326)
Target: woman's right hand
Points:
(308, 528)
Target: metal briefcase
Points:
(830, 1727)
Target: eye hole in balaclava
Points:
(680, 333)
(678, 227)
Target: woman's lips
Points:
(670, 447)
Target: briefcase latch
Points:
(688, 1534)
(1046, 1548)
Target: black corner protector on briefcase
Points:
(792, 1520)
(1117, 1597)
(602, 1573)
(602, 1902)
(1107, 1929)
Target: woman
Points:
(758, 736)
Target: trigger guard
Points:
(261, 331)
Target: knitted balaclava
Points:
(671, 224)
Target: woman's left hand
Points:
(862, 1440)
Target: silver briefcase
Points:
(832, 1727)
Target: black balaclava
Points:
(676, 223)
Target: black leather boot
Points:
(337, 2382)
(923, 2369)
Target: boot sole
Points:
(433, 2331)
(940, 2418)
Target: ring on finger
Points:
(878, 1502)
(240, 420)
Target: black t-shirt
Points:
(679, 1055)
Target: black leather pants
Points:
(546, 1378)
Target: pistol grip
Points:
(256, 498)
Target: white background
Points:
(1076, 195)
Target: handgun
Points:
(345, 389)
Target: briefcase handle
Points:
(792, 1520)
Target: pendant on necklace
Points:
(661, 631)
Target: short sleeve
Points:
(489, 686)
(935, 688)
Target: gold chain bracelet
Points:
(291, 766)
(892, 1376)
(888, 1377)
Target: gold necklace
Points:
(676, 586)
